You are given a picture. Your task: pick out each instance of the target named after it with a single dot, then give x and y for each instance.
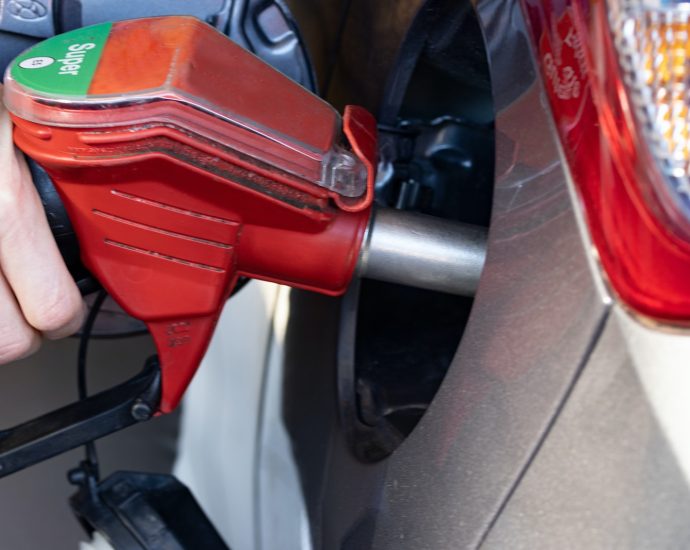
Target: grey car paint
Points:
(543, 434)
(537, 314)
(606, 476)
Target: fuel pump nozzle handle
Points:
(178, 182)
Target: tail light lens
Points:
(617, 74)
(652, 39)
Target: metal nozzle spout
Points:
(423, 251)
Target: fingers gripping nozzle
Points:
(177, 182)
(200, 164)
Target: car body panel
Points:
(606, 477)
(537, 314)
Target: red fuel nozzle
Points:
(184, 162)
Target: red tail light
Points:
(615, 77)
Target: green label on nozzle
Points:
(64, 64)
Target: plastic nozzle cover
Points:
(178, 77)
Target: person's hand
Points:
(37, 294)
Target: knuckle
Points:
(61, 312)
(16, 346)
